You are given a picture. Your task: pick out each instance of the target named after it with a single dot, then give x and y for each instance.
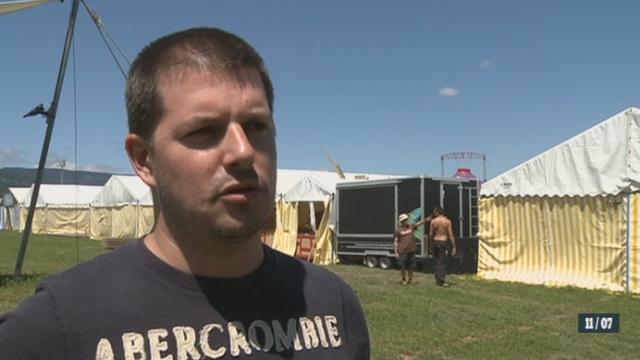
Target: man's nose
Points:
(239, 151)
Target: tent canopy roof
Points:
(20, 193)
(314, 185)
(16, 5)
(602, 160)
(124, 189)
(307, 189)
(63, 195)
(292, 185)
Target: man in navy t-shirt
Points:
(200, 285)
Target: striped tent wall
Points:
(556, 241)
(633, 254)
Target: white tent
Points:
(60, 209)
(315, 185)
(123, 189)
(604, 159)
(300, 194)
(7, 7)
(10, 211)
(122, 210)
(63, 195)
(571, 215)
(308, 189)
(20, 193)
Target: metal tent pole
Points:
(51, 117)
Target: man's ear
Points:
(139, 156)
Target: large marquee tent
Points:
(300, 194)
(19, 194)
(60, 209)
(569, 216)
(122, 210)
(10, 208)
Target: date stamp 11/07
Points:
(598, 323)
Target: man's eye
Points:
(260, 126)
(257, 125)
(205, 131)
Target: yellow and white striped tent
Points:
(569, 216)
(122, 210)
(298, 194)
(60, 209)
(12, 218)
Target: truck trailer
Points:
(367, 216)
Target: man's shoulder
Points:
(312, 274)
(287, 261)
(319, 285)
(98, 269)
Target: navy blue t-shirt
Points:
(129, 304)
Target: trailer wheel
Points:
(385, 262)
(371, 261)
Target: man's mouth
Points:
(240, 193)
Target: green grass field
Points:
(475, 319)
(46, 255)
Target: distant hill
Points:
(25, 177)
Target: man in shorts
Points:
(405, 246)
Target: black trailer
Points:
(367, 214)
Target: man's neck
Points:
(205, 257)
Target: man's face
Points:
(214, 154)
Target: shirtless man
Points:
(405, 245)
(441, 232)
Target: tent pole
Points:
(51, 117)
(630, 221)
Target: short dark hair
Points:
(437, 210)
(199, 48)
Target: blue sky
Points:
(385, 86)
